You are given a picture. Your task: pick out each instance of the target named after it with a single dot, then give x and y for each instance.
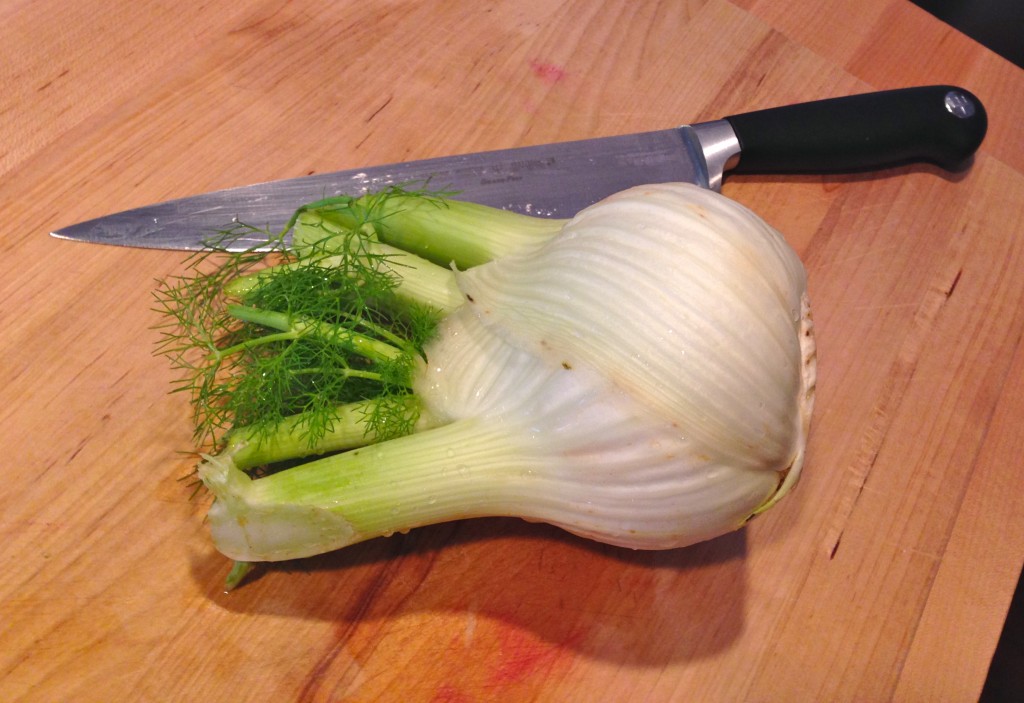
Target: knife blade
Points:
(941, 124)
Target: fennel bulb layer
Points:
(645, 378)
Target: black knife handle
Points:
(940, 124)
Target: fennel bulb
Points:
(642, 375)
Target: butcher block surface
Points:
(886, 574)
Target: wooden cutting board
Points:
(886, 575)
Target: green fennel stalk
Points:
(311, 348)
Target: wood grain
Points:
(885, 576)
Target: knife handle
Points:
(940, 124)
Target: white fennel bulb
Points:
(644, 377)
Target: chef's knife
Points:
(943, 125)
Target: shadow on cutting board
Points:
(504, 577)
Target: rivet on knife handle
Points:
(939, 124)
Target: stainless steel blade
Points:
(553, 180)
